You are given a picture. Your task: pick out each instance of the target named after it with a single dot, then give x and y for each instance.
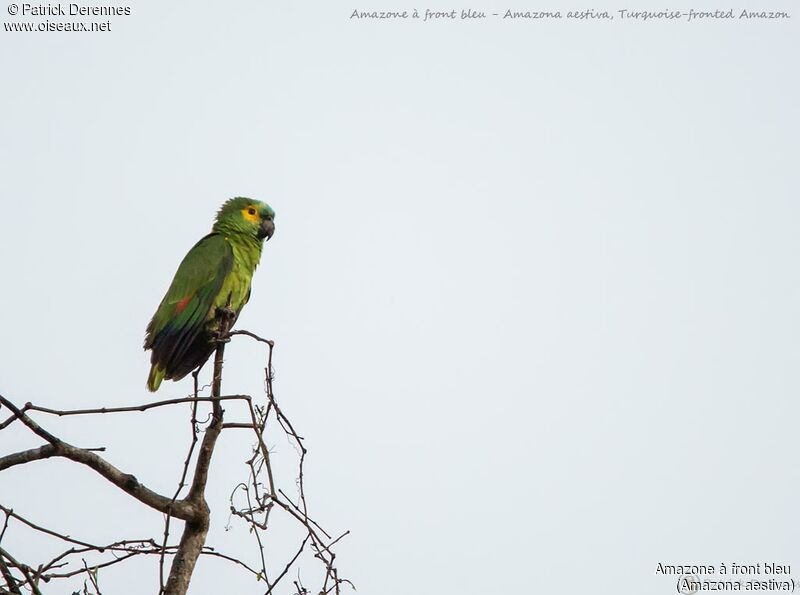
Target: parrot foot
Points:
(225, 318)
(221, 337)
(225, 313)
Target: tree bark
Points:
(191, 545)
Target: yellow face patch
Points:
(251, 214)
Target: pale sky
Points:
(533, 286)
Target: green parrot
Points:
(216, 273)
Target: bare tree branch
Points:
(195, 530)
(24, 569)
(125, 481)
(182, 482)
(260, 491)
(11, 582)
(131, 408)
(28, 456)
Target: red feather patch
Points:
(182, 304)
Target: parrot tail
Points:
(155, 378)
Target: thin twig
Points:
(133, 408)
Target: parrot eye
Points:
(251, 211)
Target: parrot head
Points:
(246, 216)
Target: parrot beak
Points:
(266, 229)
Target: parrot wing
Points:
(186, 307)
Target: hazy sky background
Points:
(534, 285)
